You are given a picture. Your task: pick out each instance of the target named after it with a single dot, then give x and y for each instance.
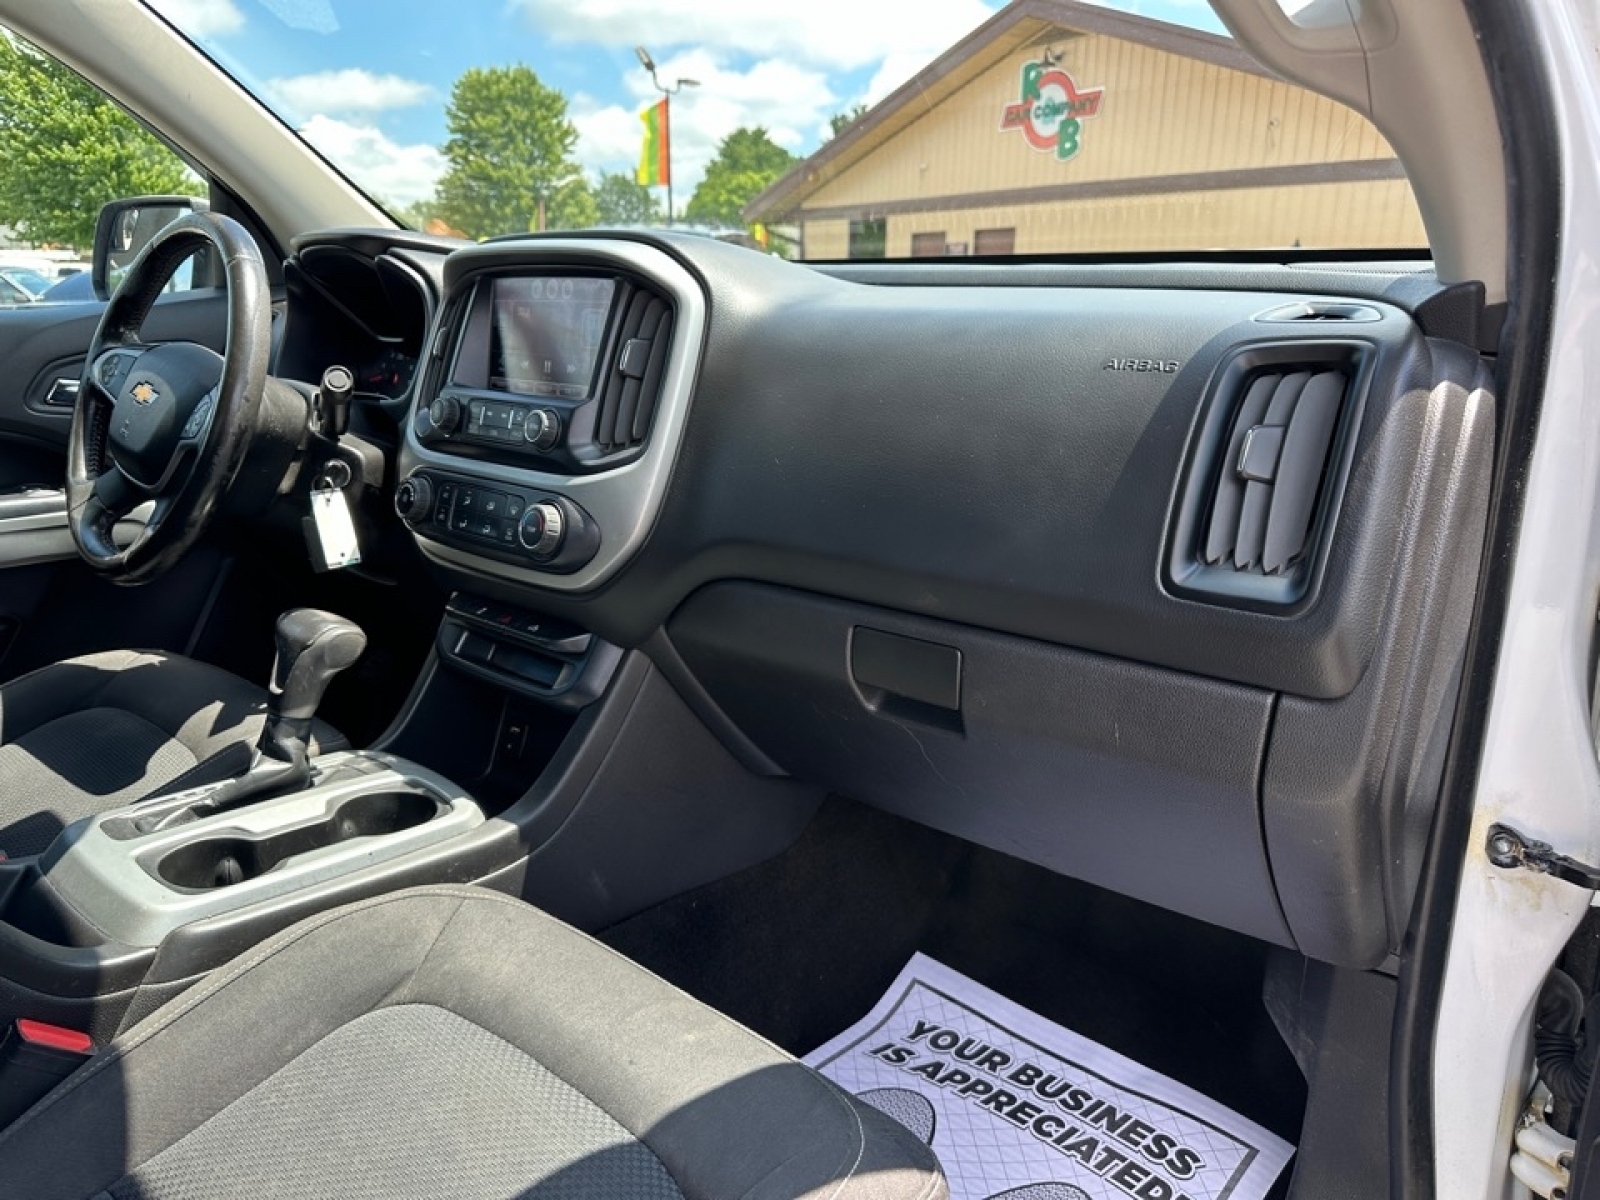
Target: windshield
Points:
(820, 130)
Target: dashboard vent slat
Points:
(633, 381)
(1300, 469)
(655, 372)
(1224, 529)
(1272, 471)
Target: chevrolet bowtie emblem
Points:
(144, 393)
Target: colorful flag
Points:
(655, 167)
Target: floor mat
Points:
(1018, 1107)
(799, 947)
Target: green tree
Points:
(415, 215)
(509, 156)
(625, 201)
(65, 149)
(573, 206)
(840, 121)
(747, 163)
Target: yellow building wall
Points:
(829, 239)
(1327, 216)
(1161, 114)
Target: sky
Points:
(366, 81)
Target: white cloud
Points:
(608, 136)
(352, 90)
(201, 18)
(896, 68)
(789, 101)
(314, 16)
(836, 33)
(396, 172)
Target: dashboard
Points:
(1155, 576)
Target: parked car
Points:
(34, 283)
(13, 292)
(70, 288)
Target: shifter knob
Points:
(313, 647)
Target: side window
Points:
(868, 238)
(67, 149)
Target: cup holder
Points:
(223, 861)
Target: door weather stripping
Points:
(1509, 849)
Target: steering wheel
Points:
(167, 422)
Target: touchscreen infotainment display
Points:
(546, 333)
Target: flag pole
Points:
(667, 93)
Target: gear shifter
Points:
(313, 647)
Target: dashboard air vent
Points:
(632, 386)
(1272, 470)
(1322, 311)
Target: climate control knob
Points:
(542, 429)
(440, 418)
(541, 529)
(413, 499)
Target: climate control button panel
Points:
(529, 528)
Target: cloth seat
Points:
(450, 1042)
(90, 734)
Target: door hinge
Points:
(1509, 849)
(1542, 1158)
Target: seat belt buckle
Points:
(34, 1057)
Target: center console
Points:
(143, 899)
(136, 882)
(131, 905)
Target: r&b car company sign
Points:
(1051, 109)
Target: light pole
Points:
(649, 64)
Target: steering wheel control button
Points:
(198, 418)
(113, 370)
(542, 429)
(541, 529)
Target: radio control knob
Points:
(542, 429)
(444, 415)
(413, 499)
(541, 529)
